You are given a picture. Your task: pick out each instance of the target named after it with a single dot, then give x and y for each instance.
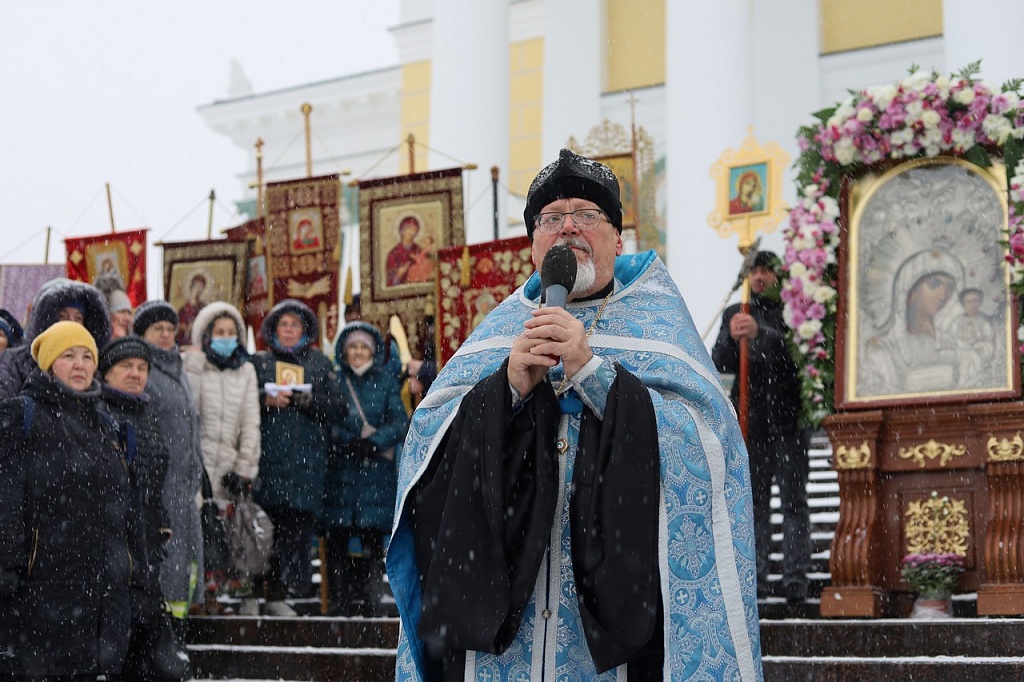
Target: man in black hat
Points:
(575, 477)
(778, 452)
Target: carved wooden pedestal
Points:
(938, 479)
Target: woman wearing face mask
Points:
(223, 384)
(359, 493)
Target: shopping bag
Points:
(250, 536)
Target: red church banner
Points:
(302, 243)
(123, 252)
(469, 288)
(257, 293)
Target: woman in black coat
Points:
(294, 428)
(124, 369)
(69, 538)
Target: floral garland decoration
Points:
(923, 115)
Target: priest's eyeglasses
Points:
(583, 219)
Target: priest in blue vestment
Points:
(574, 498)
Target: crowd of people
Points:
(110, 428)
(574, 498)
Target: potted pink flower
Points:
(933, 577)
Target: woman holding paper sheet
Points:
(300, 401)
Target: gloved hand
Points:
(147, 609)
(235, 484)
(302, 399)
(9, 581)
(361, 447)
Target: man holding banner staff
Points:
(778, 452)
(574, 496)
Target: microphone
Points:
(558, 275)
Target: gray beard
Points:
(585, 276)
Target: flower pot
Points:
(933, 606)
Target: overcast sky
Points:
(103, 91)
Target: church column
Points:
(573, 64)
(989, 32)
(725, 72)
(708, 107)
(469, 102)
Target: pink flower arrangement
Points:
(924, 114)
(932, 573)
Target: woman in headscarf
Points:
(359, 496)
(223, 384)
(156, 322)
(11, 333)
(57, 300)
(914, 353)
(69, 536)
(300, 402)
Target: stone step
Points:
(894, 638)
(318, 649)
(846, 669)
(313, 631)
(327, 664)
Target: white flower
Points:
(864, 114)
(829, 206)
(996, 127)
(964, 96)
(917, 80)
(824, 294)
(845, 152)
(930, 118)
(942, 83)
(882, 95)
(809, 329)
(1020, 333)
(914, 109)
(802, 243)
(902, 136)
(810, 191)
(964, 139)
(797, 269)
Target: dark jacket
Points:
(68, 532)
(774, 395)
(294, 438)
(17, 363)
(150, 465)
(171, 401)
(361, 483)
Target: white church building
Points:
(507, 83)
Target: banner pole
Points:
(209, 219)
(411, 141)
(494, 193)
(46, 254)
(259, 177)
(110, 209)
(306, 109)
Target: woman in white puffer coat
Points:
(223, 383)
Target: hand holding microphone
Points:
(551, 335)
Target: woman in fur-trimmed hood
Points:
(294, 429)
(362, 471)
(59, 299)
(223, 383)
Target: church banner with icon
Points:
(257, 297)
(200, 272)
(472, 281)
(121, 252)
(303, 247)
(405, 222)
